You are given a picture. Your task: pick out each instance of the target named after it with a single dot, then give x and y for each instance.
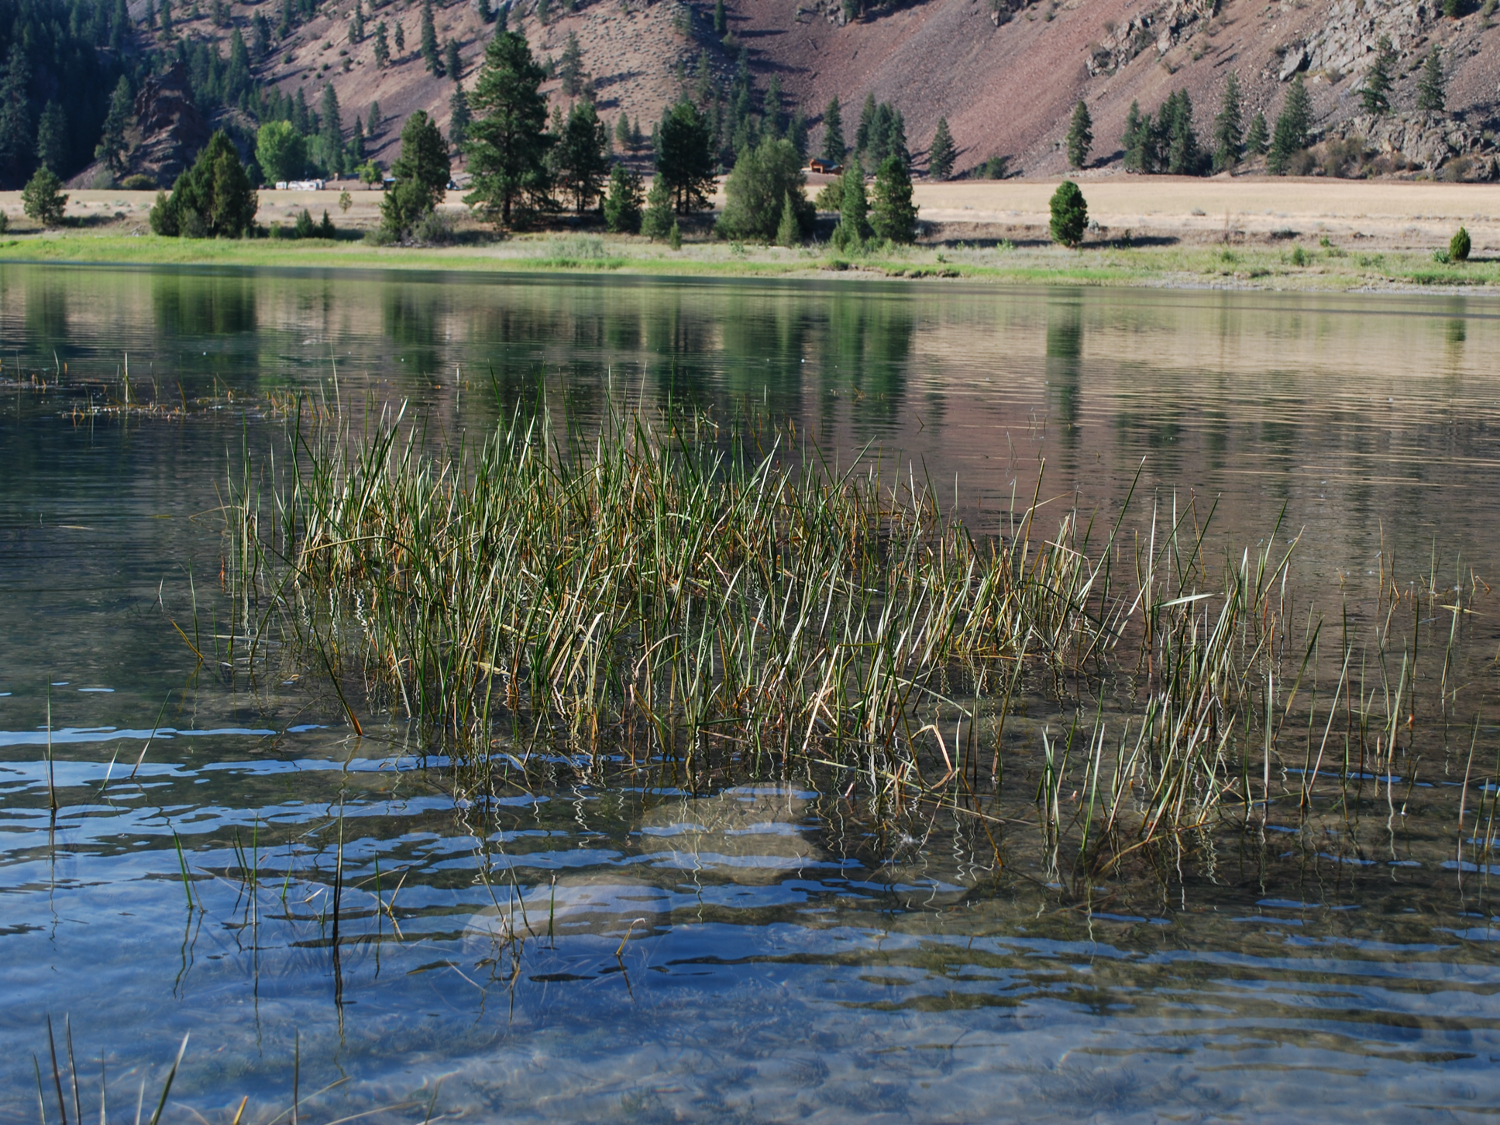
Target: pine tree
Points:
(166, 20)
(42, 198)
(1174, 122)
(622, 131)
(622, 204)
(52, 137)
(854, 226)
(772, 104)
(382, 46)
(486, 13)
(16, 133)
(421, 173)
(1070, 215)
(354, 151)
(1292, 128)
(721, 19)
(430, 57)
(331, 134)
(1375, 94)
(941, 153)
(1136, 141)
(111, 147)
(658, 222)
(1080, 135)
(580, 157)
(1432, 86)
(788, 230)
(149, 19)
(685, 158)
(400, 39)
(833, 134)
(867, 114)
(262, 35)
(372, 123)
(1228, 132)
(458, 118)
(452, 62)
(1255, 136)
(570, 66)
(357, 24)
(893, 216)
(507, 140)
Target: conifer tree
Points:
(854, 226)
(372, 123)
(622, 131)
(1070, 215)
(430, 58)
(52, 137)
(1432, 86)
(941, 153)
(580, 157)
(111, 147)
(400, 39)
(1175, 122)
(1256, 135)
(833, 134)
(507, 142)
(721, 19)
(42, 198)
(622, 204)
(1375, 94)
(382, 46)
(357, 24)
(421, 173)
(1136, 141)
(570, 66)
(1228, 134)
(1080, 135)
(658, 220)
(452, 62)
(893, 216)
(866, 126)
(1292, 128)
(685, 157)
(331, 134)
(16, 132)
(788, 230)
(458, 118)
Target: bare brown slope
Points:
(1011, 89)
(1006, 89)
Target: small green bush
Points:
(42, 198)
(674, 236)
(1299, 257)
(138, 182)
(1070, 215)
(1458, 248)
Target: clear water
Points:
(617, 949)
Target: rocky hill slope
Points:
(1005, 73)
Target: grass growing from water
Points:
(670, 589)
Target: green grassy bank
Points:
(1304, 265)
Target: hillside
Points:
(1005, 73)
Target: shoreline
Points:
(1291, 267)
(1236, 233)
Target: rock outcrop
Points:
(169, 131)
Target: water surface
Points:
(622, 947)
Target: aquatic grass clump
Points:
(669, 588)
(664, 585)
